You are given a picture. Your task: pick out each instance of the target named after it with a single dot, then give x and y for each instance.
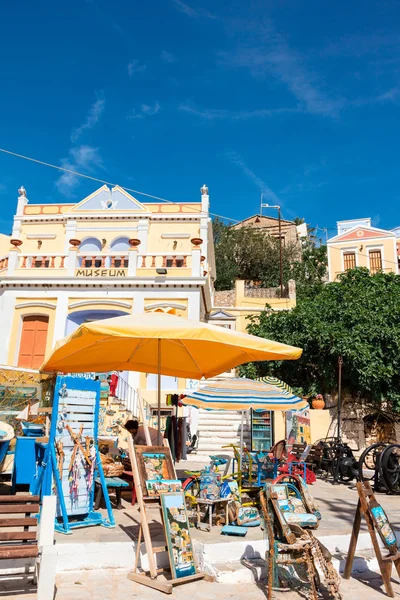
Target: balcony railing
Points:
(42, 261)
(372, 271)
(103, 261)
(131, 262)
(3, 263)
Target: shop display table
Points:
(222, 502)
(113, 483)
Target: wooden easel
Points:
(149, 578)
(366, 495)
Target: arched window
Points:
(120, 244)
(90, 247)
(32, 346)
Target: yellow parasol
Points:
(163, 344)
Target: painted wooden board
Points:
(76, 403)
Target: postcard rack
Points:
(150, 576)
(377, 522)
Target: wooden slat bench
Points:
(115, 483)
(22, 543)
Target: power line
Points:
(104, 182)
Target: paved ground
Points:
(337, 503)
(113, 586)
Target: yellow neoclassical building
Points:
(358, 244)
(105, 256)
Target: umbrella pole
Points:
(241, 441)
(158, 388)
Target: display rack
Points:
(150, 576)
(261, 430)
(377, 522)
(73, 454)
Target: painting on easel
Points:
(177, 532)
(383, 526)
(154, 465)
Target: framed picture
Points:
(383, 526)
(177, 533)
(298, 427)
(155, 487)
(154, 464)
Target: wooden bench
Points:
(115, 483)
(314, 458)
(16, 513)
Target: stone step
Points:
(225, 434)
(221, 426)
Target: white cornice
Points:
(97, 302)
(106, 283)
(177, 236)
(41, 236)
(35, 305)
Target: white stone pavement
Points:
(114, 585)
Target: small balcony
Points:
(101, 264)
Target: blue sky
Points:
(298, 100)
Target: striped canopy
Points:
(241, 394)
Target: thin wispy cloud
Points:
(391, 95)
(84, 159)
(213, 114)
(265, 52)
(193, 12)
(146, 110)
(93, 117)
(360, 44)
(135, 66)
(268, 194)
(168, 57)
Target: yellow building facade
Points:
(358, 244)
(108, 255)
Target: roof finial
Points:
(22, 191)
(204, 190)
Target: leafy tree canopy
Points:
(250, 254)
(358, 318)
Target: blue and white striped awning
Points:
(241, 394)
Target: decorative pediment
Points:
(109, 200)
(361, 233)
(221, 314)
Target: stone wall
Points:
(225, 298)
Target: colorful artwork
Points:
(383, 526)
(155, 466)
(210, 485)
(177, 532)
(230, 490)
(298, 429)
(247, 515)
(156, 486)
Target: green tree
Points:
(249, 254)
(310, 273)
(358, 318)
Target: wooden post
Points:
(353, 542)
(142, 415)
(143, 517)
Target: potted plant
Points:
(318, 402)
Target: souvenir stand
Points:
(377, 522)
(74, 455)
(158, 489)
